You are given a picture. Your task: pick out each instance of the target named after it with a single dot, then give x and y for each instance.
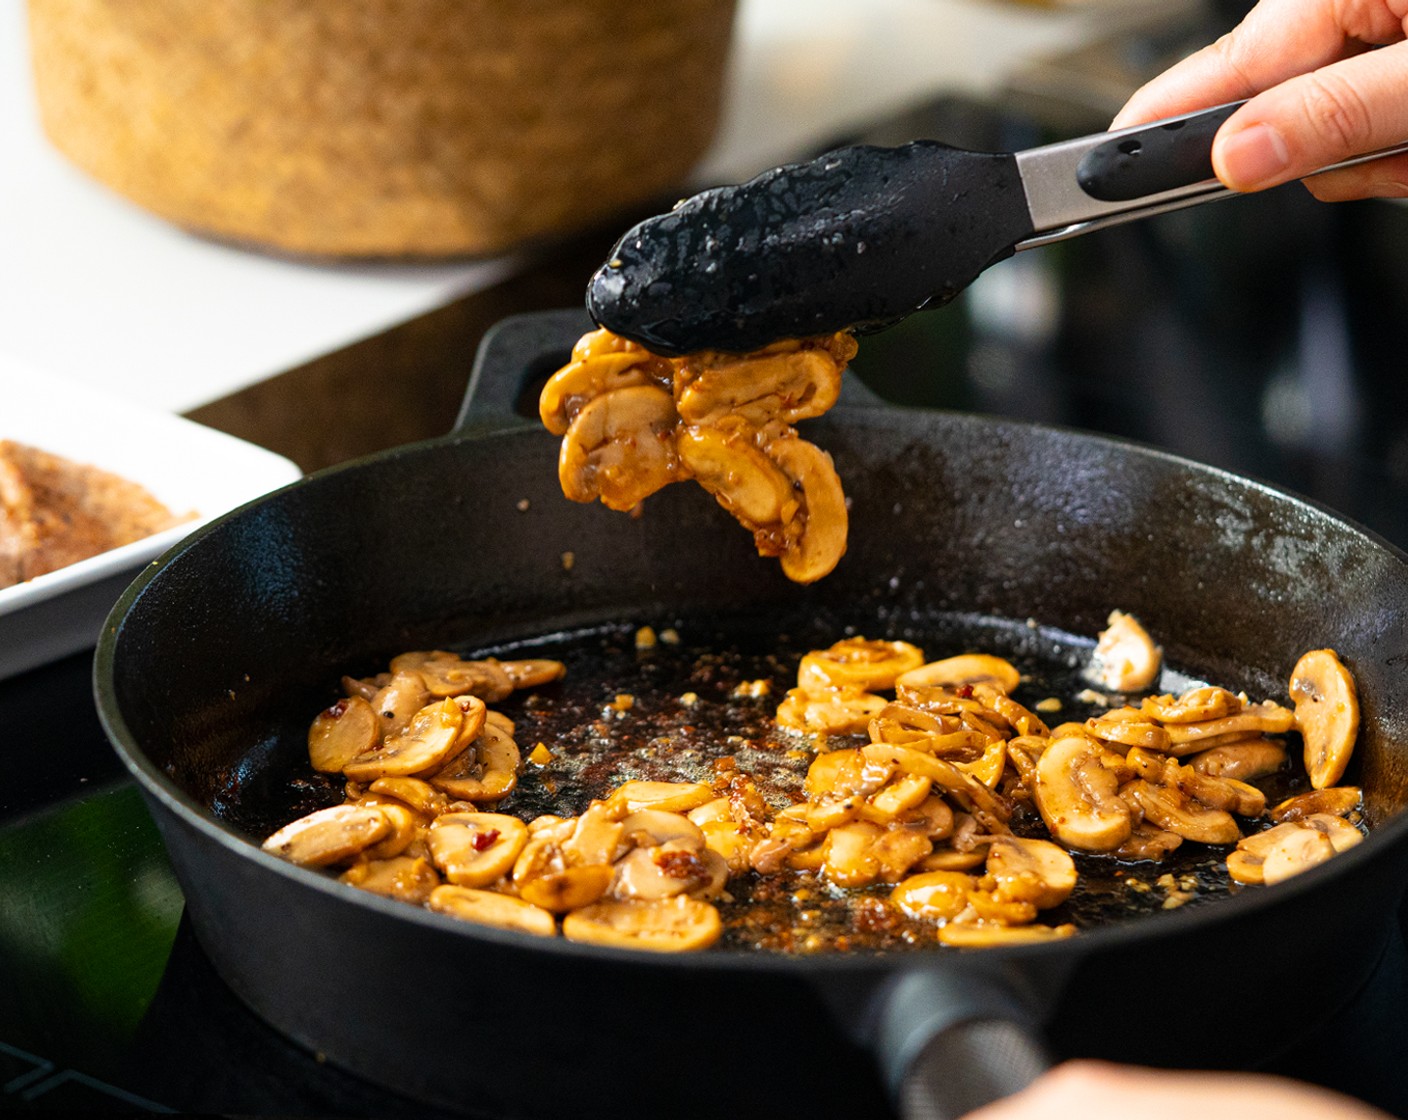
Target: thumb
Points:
(1346, 109)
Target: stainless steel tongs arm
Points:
(1081, 185)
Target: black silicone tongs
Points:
(863, 236)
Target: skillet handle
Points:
(516, 354)
(948, 1045)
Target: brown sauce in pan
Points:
(695, 710)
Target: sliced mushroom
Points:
(936, 896)
(1342, 834)
(650, 827)
(475, 849)
(985, 906)
(543, 877)
(669, 869)
(1126, 658)
(1077, 794)
(1293, 847)
(678, 924)
(670, 797)
(989, 768)
(951, 859)
(397, 702)
(404, 878)
(744, 481)
(621, 448)
(583, 380)
(963, 745)
(775, 385)
(365, 688)
(963, 935)
(1326, 715)
(1147, 842)
(417, 793)
(341, 732)
(863, 663)
(1168, 809)
(533, 673)
(1300, 851)
(486, 772)
(842, 712)
(847, 859)
(897, 850)
(732, 844)
(489, 908)
(597, 836)
(329, 836)
(1021, 720)
(428, 741)
(1253, 720)
(1245, 760)
(1029, 870)
(406, 825)
(716, 810)
(965, 669)
(932, 817)
(963, 787)
(448, 674)
(1130, 733)
(1194, 706)
(895, 798)
(825, 522)
(1337, 801)
(1222, 793)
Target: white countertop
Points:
(96, 290)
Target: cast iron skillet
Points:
(214, 658)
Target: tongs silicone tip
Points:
(863, 237)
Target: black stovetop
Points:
(1259, 335)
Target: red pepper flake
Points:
(966, 691)
(337, 709)
(483, 840)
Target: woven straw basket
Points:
(381, 127)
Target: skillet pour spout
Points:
(214, 660)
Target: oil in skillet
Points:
(669, 711)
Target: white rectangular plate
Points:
(186, 466)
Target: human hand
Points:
(1103, 1091)
(1327, 80)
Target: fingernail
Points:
(1254, 157)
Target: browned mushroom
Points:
(428, 741)
(676, 924)
(816, 549)
(592, 373)
(488, 771)
(341, 732)
(621, 448)
(329, 836)
(838, 712)
(448, 674)
(404, 878)
(965, 669)
(1327, 714)
(1029, 870)
(862, 663)
(475, 849)
(489, 908)
(785, 382)
(1077, 793)
(744, 481)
